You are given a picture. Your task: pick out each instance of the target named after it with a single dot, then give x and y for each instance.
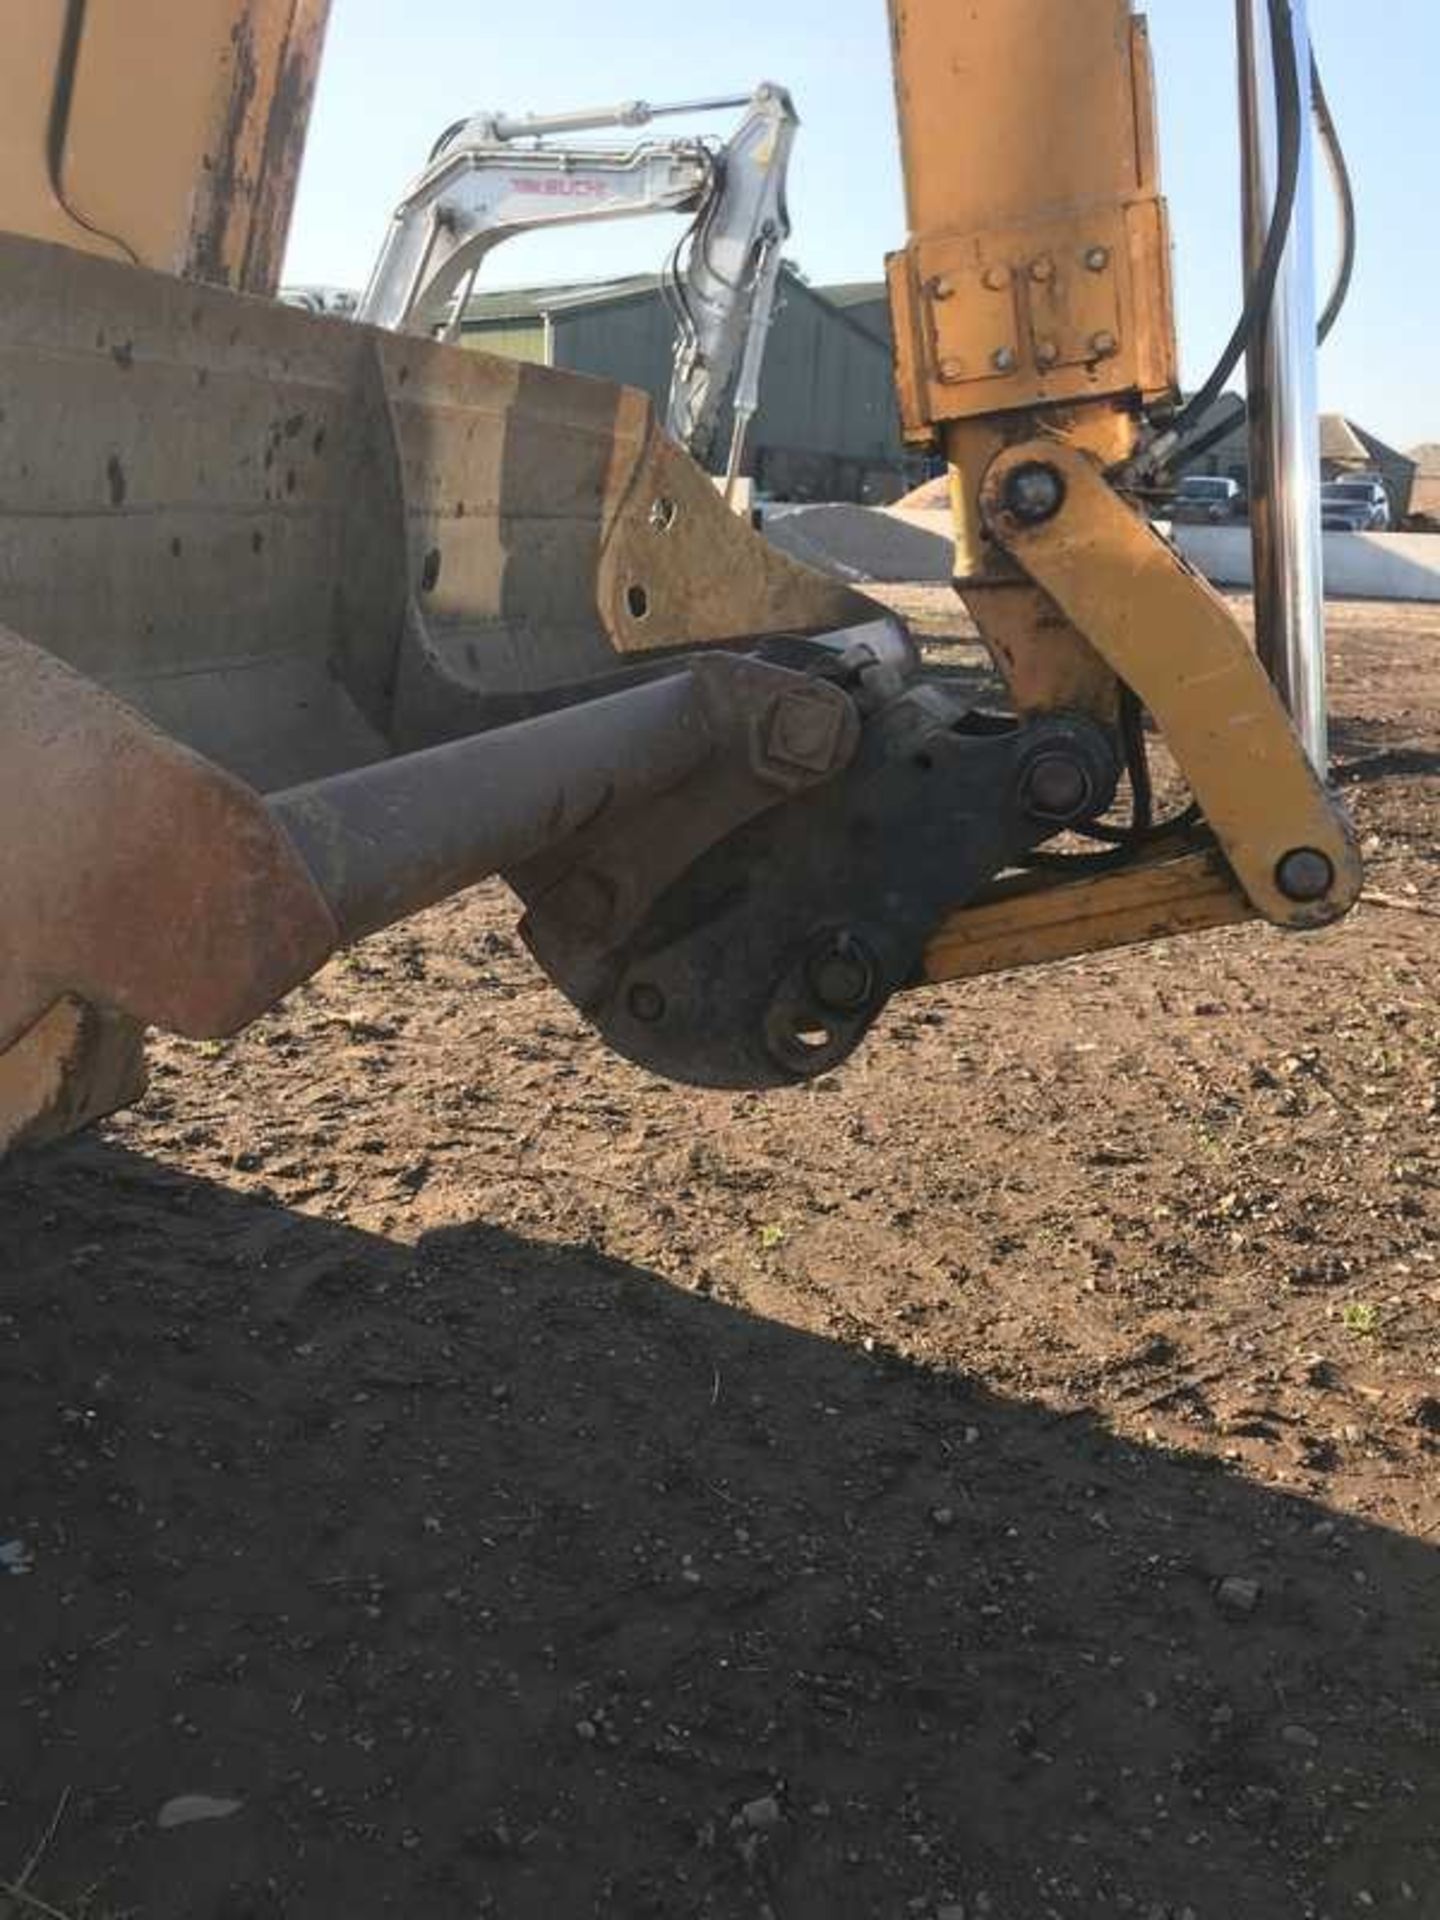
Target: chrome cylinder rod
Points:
(629, 113)
(1284, 426)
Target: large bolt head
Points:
(1057, 787)
(842, 974)
(1304, 874)
(1033, 492)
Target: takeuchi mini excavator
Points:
(493, 177)
(306, 624)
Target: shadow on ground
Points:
(1365, 751)
(494, 1577)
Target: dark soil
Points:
(999, 1479)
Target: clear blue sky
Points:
(395, 75)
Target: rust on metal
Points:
(1016, 317)
(74, 1065)
(1038, 271)
(297, 546)
(665, 578)
(160, 133)
(336, 543)
(105, 897)
(251, 172)
(1034, 293)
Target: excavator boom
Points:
(481, 188)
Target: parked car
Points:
(1206, 498)
(1356, 504)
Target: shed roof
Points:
(855, 293)
(576, 296)
(1339, 440)
(533, 303)
(1342, 440)
(1380, 453)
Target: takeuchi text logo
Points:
(561, 185)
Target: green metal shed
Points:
(826, 428)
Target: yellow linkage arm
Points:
(1034, 326)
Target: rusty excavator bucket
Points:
(304, 625)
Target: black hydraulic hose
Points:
(1345, 197)
(1192, 449)
(455, 126)
(1345, 200)
(57, 130)
(1262, 286)
(1143, 829)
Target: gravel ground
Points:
(996, 1480)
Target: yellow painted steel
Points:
(1038, 265)
(1009, 108)
(1166, 632)
(1035, 288)
(165, 132)
(1040, 918)
(1033, 319)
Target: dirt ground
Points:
(999, 1479)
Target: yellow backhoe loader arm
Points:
(305, 624)
(1033, 325)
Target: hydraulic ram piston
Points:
(1284, 437)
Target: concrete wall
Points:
(904, 544)
(1358, 566)
(865, 543)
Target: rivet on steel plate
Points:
(1003, 359)
(1103, 343)
(1097, 259)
